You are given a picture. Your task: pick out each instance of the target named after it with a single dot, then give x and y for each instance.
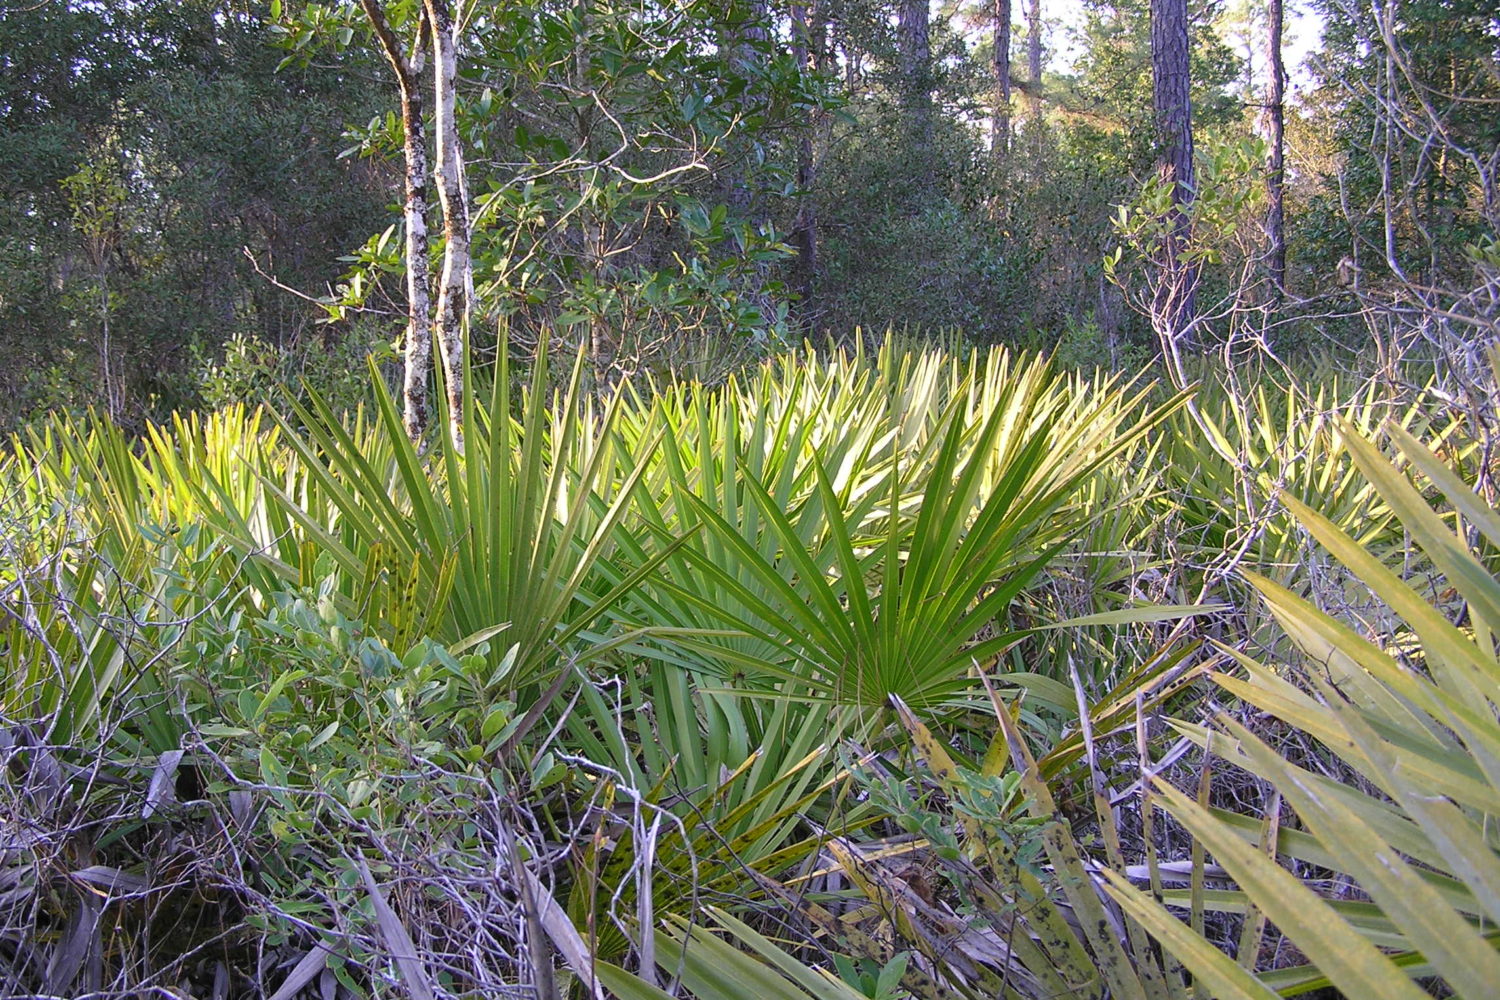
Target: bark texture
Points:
(914, 31)
(418, 346)
(1276, 135)
(457, 276)
(1172, 93)
(1034, 61)
(1172, 79)
(1000, 139)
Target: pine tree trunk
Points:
(1276, 175)
(1034, 62)
(418, 347)
(602, 343)
(1000, 140)
(457, 277)
(807, 47)
(1174, 300)
(915, 40)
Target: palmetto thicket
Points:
(859, 674)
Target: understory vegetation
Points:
(462, 534)
(894, 673)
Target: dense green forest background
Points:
(745, 500)
(202, 197)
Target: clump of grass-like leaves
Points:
(296, 706)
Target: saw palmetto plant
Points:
(1409, 715)
(856, 577)
(1398, 811)
(836, 679)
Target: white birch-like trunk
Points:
(457, 275)
(418, 347)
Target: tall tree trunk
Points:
(1034, 62)
(1000, 139)
(457, 278)
(915, 39)
(1276, 175)
(746, 54)
(807, 48)
(603, 344)
(418, 349)
(1174, 300)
